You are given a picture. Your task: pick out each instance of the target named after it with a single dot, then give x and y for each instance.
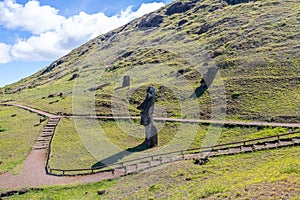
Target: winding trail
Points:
(202, 121)
(34, 173)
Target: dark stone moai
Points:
(126, 81)
(206, 82)
(147, 108)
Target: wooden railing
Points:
(160, 157)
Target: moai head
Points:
(151, 90)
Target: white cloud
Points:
(145, 8)
(38, 48)
(4, 55)
(54, 35)
(31, 17)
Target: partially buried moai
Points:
(147, 108)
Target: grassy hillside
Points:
(254, 45)
(18, 128)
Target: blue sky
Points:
(35, 33)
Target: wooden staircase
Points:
(46, 136)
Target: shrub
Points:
(290, 168)
(235, 95)
(2, 129)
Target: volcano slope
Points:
(254, 44)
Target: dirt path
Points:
(225, 122)
(34, 173)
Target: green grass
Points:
(262, 175)
(88, 191)
(242, 176)
(19, 136)
(257, 59)
(67, 148)
(81, 143)
(256, 48)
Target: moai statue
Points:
(206, 82)
(210, 76)
(147, 108)
(126, 81)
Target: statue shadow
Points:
(206, 82)
(199, 91)
(115, 158)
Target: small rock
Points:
(182, 22)
(101, 192)
(23, 191)
(201, 161)
(13, 115)
(51, 95)
(203, 29)
(8, 193)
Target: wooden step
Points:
(296, 141)
(223, 152)
(271, 145)
(43, 142)
(43, 139)
(210, 153)
(235, 150)
(46, 135)
(259, 146)
(51, 124)
(285, 143)
(246, 149)
(39, 148)
(48, 130)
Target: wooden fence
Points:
(163, 158)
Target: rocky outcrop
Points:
(182, 22)
(234, 2)
(151, 21)
(52, 66)
(203, 29)
(179, 7)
